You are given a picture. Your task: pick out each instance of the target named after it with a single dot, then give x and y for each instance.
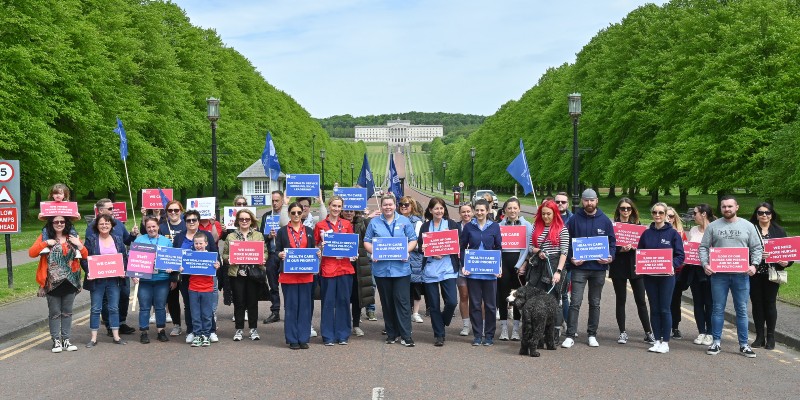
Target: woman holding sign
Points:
(153, 291)
(659, 287)
(439, 272)
(512, 262)
(171, 227)
(336, 284)
(393, 275)
(298, 295)
(59, 277)
(245, 287)
(104, 243)
(481, 234)
(696, 277)
(408, 208)
(763, 292)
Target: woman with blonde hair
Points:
(680, 280)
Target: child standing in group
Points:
(59, 192)
(201, 299)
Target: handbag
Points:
(779, 277)
(257, 274)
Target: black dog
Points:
(538, 310)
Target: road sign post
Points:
(10, 214)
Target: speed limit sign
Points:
(6, 172)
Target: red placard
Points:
(59, 208)
(120, 211)
(151, 198)
(9, 220)
(628, 234)
(247, 252)
(782, 249)
(106, 266)
(729, 259)
(441, 243)
(691, 251)
(654, 261)
(513, 237)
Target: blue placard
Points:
(258, 199)
(340, 245)
(301, 261)
(271, 222)
(199, 263)
(302, 185)
(590, 248)
(482, 261)
(354, 198)
(389, 248)
(169, 258)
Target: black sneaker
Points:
(274, 317)
(162, 336)
(391, 341)
(144, 339)
(714, 349)
(438, 342)
(126, 330)
(109, 333)
(407, 342)
(676, 334)
(747, 351)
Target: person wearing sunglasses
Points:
(680, 278)
(622, 270)
(408, 208)
(661, 235)
(245, 288)
(185, 240)
(173, 225)
(153, 291)
(59, 277)
(763, 292)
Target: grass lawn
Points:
(24, 283)
(420, 165)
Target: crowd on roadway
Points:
(346, 286)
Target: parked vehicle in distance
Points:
(479, 195)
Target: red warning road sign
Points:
(9, 220)
(5, 197)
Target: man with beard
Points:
(587, 222)
(730, 231)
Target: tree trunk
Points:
(199, 191)
(667, 192)
(632, 192)
(37, 199)
(112, 196)
(653, 195)
(184, 196)
(139, 199)
(684, 201)
(24, 202)
(612, 191)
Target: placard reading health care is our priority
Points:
(302, 185)
(199, 263)
(229, 216)
(354, 198)
(482, 261)
(106, 266)
(340, 245)
(389, 248)
(654, 261)
(628, 234)
(782, 249)
(204, 205)
(691, 252)
(729, 259)
(441, 243)
(590, 248)
(169, 259)
(513, 237)
(246, 252)
(141, 260)
(59, 208)
(301, 261)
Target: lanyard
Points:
(434, 228)
(391, 230)
(298, 238)
(338, 226)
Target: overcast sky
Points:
(363, 57)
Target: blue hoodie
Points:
(664, 238)
(584, 225)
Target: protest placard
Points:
(482, 261)
(302, 185)
(628, 234)
(782, 249)
(199, 263)
(141, 260)
(246, 252)
(59, 208)
(340, 245)
(590, 248)
(301, 261)
(106, 266)
(354, 198)
(229, 216)
(513, 237)
(654, 261)
(389, 248)
(691, 251)
(729, 259)
(204, 205)
(169, 259)
(151, 198)
(441, 243)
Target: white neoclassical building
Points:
(398, 132)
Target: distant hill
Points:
(343, 126)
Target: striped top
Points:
(548, 248)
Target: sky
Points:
(363, 57)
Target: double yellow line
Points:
(35, 341)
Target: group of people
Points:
(346, 286)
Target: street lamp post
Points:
(444, 178)
(313, 140)
(213, 116)
(431, 172)
(472, 178)
(352, 174)
(322, 181)
(575, 113)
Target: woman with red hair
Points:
(548, 253)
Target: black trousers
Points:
(763, 295)
(621, 292)
(245, 297)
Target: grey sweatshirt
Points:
(739, 233)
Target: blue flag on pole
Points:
(123, 139)
(394, 180)
(164, 198)
(269, 159)
(519, 170)
(365, 178)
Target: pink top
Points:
(107, 250)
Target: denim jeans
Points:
(335, 316)
(60, 311)
(152, 294)
(441, 318)
(105, 288)
(739, 286)
(124, 301)
(596, 280)
(659, 294)
(202, 312)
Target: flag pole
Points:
(135, 292)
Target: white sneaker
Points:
(700, 338)
(68, 346)
(46, 250)
(515, 334)
(417, 318)
(465, 330)
(504, 333)
(237, 336)
(176, 330)
(567, 343)
(593, 342)
(190, 338)
(655, 347)
(152, 318)
(233, 318)
(57, 346)
(497, 315)
(313, 332)
(358, 331)
(254, 334)
(708, 340)
(623, 338)
(663, 349)
(212, 337)
(169, 318)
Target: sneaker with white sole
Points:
(254, 334)
(190, 338)
(57, 348)
(747, 351)
(663, 349)
(655, 346)
(237, 336)
(313, 332)
(371, 316)
(515, 334)
(169, 318)
(66, 345)
(713, 349)
(213, 338)
(245, 315)
(205, 341)
(465, 331)
(649, 338)
(567, 343)
(176, 330)
(708, 340)
(700, 338)
(152, 318)
(196, 341)
(417, 318)
(593, 342)
(623, 338)
(504, 333)
(233, 318)
(358, 331)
